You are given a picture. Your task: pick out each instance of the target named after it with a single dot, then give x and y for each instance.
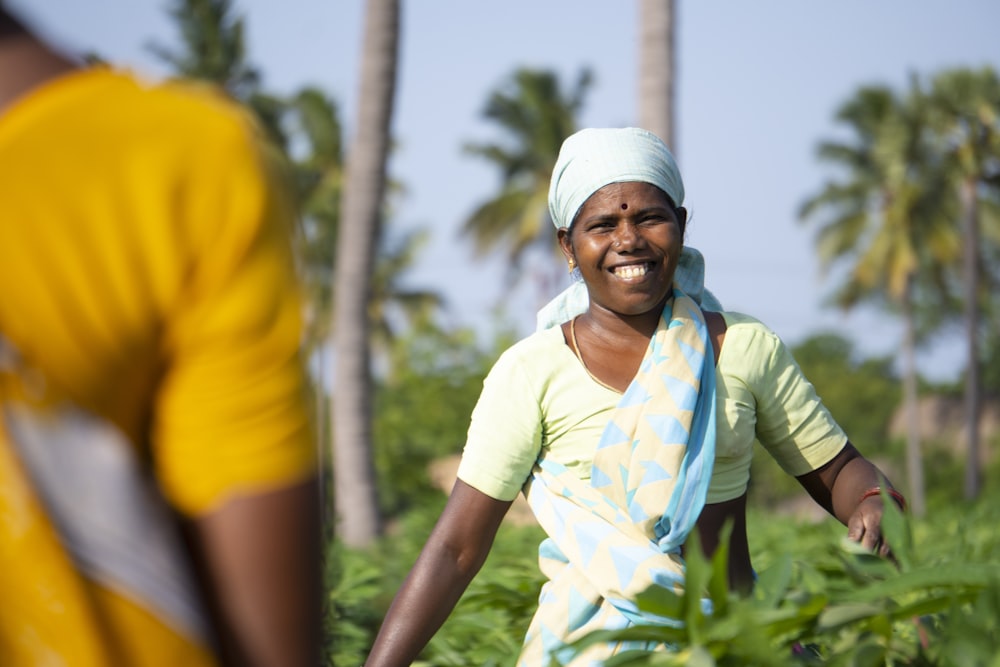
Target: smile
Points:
(631, 271)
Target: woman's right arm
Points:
(453, 554)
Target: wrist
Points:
(891, 492)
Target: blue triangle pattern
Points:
(627, 559)
(613, 435)
(669, 430)
(623, 471)
(636, 511)
(550, 550)
(654, 472)
(634, 395)
(599, 479)
(694, 357)
(589, 536)
(682, 392)
(581, 610)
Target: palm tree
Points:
(355, 495)
(394, 304)
(536, 115)
(657, 69)
(885, 222)
(214, 46)
(213, 49)
(318, 172)
(966, 119)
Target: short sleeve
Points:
(504, 436)
(232, 412)
(792, 422)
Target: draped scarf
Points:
(620, 533)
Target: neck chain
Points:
(579, 355)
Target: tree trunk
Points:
(914, 458)
(973, 398)
(355, 497)
(657, 67)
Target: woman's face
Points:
(627, 240)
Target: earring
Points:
(572, 264)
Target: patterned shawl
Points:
(620, 533)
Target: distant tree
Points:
(422, 410)
(362, 208)
(862, 394)
(536, 115)
(965, 113)
(658, 69)
(884, 223)
(394, 304)
(314, 119)
(213, 48)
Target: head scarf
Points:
(593, 158)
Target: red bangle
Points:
(893, 493)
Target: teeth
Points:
(633, 271)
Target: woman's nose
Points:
(626, 236)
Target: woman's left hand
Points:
(865, 526)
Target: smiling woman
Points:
(628, 421)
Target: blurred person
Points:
(158, 495)
(628, 421)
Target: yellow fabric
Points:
(147, 278)
(538, 395)
(115, 305)
(53, 615)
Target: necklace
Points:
(576, 351)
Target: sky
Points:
(758, 86)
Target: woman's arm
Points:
(839, 486)
(453, 554)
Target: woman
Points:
(628, 423)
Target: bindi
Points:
(624, 206)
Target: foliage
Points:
(888, 217)
(818, 601)
(841, 606)
(536, 115)
(862, 394)
(352, 580)
(964, 124)
(489, 623)
(422, 409)
(214, 46)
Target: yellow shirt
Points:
(538, 396)
(149, 299)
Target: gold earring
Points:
(572, 264)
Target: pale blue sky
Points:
(758, 86)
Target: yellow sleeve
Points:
(792, 422)
(231, 417)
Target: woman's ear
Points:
(563, 235)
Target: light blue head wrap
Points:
(593, 158)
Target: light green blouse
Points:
(538, 395)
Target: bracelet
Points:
(893, 493)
